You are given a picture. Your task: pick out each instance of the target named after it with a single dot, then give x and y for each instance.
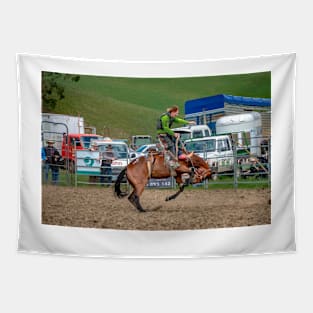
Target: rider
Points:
(167, 136)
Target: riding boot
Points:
(172, 166)
(171, 162)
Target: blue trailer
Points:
(208, 109)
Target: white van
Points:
(193, 131)
(216, 150)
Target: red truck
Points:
(75, 141)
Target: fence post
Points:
(75, 167)
(235, 166)
(205, 157)
(269, 162)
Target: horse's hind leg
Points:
(134, 200)
(131, 199)
(138, 187)
(139, 190)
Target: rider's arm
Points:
(165, 124)
(180, 121)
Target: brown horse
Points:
(140, 170)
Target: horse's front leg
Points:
(181, 189)
(181, 184)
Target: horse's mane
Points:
(198, 161)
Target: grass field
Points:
(121, 107)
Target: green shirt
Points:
(165, 119)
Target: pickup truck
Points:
(216, 150)
(219, 154)
(73, 142)
(193, 131)
(121, 153)
(139, 140)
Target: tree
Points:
(52, 89)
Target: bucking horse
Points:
(192, 170)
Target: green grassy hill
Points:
(121, 107)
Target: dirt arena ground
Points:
(193, 209)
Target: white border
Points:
(277, 237)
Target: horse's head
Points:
(203, 170)
(200, 175)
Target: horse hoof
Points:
(167, 198)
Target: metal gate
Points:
(59, 172)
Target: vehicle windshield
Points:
(201, 146)
(142, 141)
(142, 148)
(87, 139)
(185, 136)
(119, 151)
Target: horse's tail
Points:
(117, 185)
